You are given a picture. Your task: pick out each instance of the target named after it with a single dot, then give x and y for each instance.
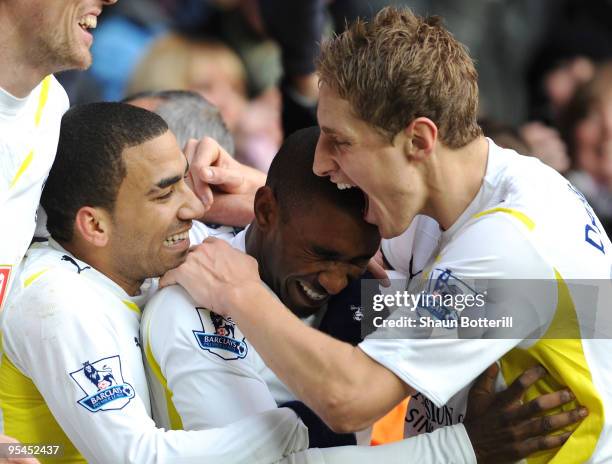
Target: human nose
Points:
(323, 164)
(192, 207)
(333, 280)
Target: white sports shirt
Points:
(29, 132)
(526, 222)
(72, 373)
(203, 373)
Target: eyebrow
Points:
(168, 181)
(331, 254)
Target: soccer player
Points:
(38, 39)
(119, 212)
(310, 242)
(397, 111)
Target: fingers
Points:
(482, 394)
(546, 424)
(540, 404)
(515, 392)
(224, 178)
(379, 273)
(534, 445)
(486, 381)
(169, 278)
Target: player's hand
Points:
(15, 459)
(213, 274)
(376, 266)
(215, 175)
(503, 429)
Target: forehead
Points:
(333, 229)
(153, 160)
(336, 117)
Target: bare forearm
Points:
(346, 388)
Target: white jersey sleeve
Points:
(202, 370)
(441, 362)
(57, 324)
(448, 445)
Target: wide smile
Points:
(178, 241)
(87, 23)
(311, 296)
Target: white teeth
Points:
(176, 238)
(342, 186)
(88, 22)
(311, 293)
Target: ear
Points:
(266, 208)
(420, 138)
(93, 225)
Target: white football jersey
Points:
(72, 373)
(528, 224)
(29, 132)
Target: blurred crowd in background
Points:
(545, 70)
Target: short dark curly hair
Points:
(89, 165)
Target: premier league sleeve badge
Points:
(103, 385)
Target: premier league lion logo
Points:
(101, 379)
(223, 326)
(103, 385)
(220, 336)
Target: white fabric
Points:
(213, 378)
(61, 315)
(27, 151)
(449, 445)
(534, 226)
(212, 387)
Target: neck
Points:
(454, 178)
(18, 76)
(101, 264)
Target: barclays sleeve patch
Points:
(103, 385)
(220, 336)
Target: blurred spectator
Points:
(212, 69)
(504, 135)
(533, 139)
(587, 126)
(188, 114)
(579, 36)
(545, 142)
(298, 26)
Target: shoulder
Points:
(497, 243)
(48, 292)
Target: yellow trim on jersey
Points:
(42, 101)
(30, 280)
(526, 220)
(176, 423)
(560, 351)
(27, 416)
(132, 306)
(23, 168)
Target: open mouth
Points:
(177, 240)
(315, 297)
(88, 22)
(366, 199)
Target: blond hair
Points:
(399, 67)
(172, 61)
